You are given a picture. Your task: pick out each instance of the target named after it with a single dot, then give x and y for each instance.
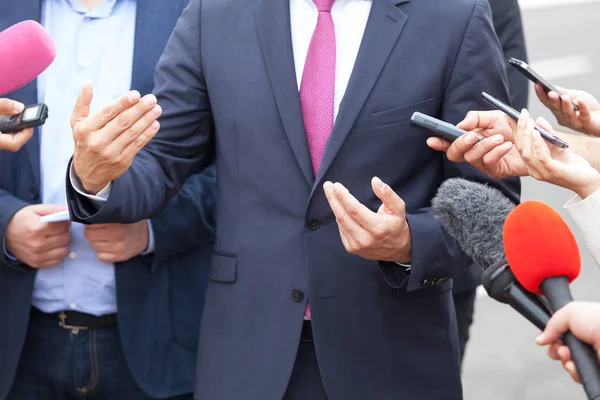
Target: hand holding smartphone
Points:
(514, 114)
(534, 77)
(439, 128)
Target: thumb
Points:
(542, 123)
(388, 197)
(10, 107)
(47, 209)
(82, 106)
(558, 324)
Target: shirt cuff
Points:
(100, 197)
(586, 214)
(407, 267)
(6, 253)
(150, 248)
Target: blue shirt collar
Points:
(101, 11)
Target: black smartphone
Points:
(533, 76)
(514, 114)
(439, 128)
(32, 116)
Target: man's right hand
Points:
(107, 141)
(36, 244)
(495, 155)
(13, 141)
(586, 120)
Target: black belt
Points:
(307, 333)
(76, 320)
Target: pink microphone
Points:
(26, 50)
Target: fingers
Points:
(558, 325)
(585, 114)
(476, 153)
(14, 142)
(141, 123)
(56, 228)
(456, 152)
(542, 95)
(437, 144)
(392, 202)
(47, 209)
(353, 208)
(57, 241)
(478, 120)
(82, 105)
(350, 228)
(10, 107)
(520, 132)
(569, 114)
(109, 113)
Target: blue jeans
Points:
(61, 364)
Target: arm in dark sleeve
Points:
(184, 140)
(436, 257)
(508, 24)
(188, 221)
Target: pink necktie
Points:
(318, 86)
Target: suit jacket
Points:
(160, 297)
(506, 16)
(227, 86)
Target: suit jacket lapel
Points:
(384, 25)
(16, 12)
(273, 25)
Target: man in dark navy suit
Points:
(318, 290)
(108, 311)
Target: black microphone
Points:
(473, 214)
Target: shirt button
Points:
(73, 306)
(297, 295)
(72, 255)
(313, 224)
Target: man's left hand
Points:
(381, 236)
(118, 242)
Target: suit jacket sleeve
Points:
(509, 28)
(183, 142)
(479, 66)
(188, 221)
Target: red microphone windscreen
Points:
(539, 244)
(26, 50)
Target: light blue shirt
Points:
(96, 46)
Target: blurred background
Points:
(502, 360)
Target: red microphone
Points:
(26, 50)
(544, 257)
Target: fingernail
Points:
(133, 96)
(18, 107)
(150, 101)
(155, 125)
(470, 138)
(157, 111)
(327, 185)
(379, 183)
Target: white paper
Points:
(56, 217)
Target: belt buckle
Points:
(63, 317)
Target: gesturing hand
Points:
(118, 242)
(35, 244)
(382, 236)
(107, 142)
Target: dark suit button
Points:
(313, 224)
(33, 192)
(426, 282)
(297, 295)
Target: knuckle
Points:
(108, 111)
(122, 121)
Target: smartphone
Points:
(514, 114)
(32, 116)
(533, 76)
(439, 128)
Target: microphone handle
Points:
(585, 358)
(527, 305)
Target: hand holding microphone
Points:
(13, 141)
(582, 319)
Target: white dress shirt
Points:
(586, 214)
